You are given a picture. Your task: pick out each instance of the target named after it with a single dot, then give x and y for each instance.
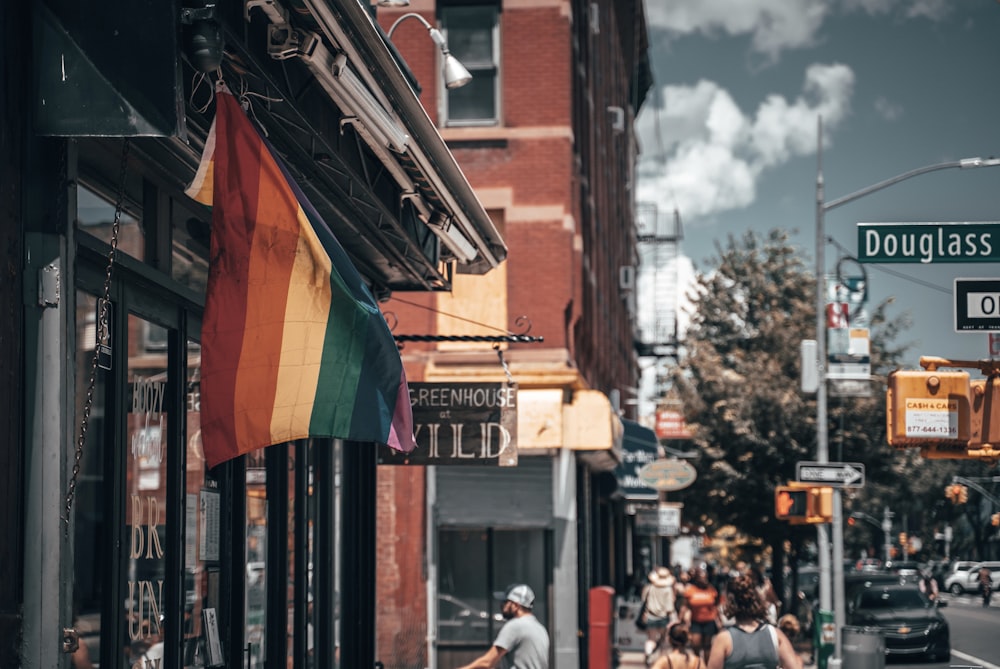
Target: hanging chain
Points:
(503, 363)
(103, 328)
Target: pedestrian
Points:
(680, 655)
(765, 589)
(985, 585)
(751, 642)
(928, 585)
(658, 608)
(701, 612)
(522, 641)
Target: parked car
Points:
(968, 580)
(459, 620)
(910, 623)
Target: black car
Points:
(911, 624)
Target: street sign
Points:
(977, 305)
(928, 242)
(833, 474)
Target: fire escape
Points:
(657, 287)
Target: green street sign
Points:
(926, 243)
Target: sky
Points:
(728, 139)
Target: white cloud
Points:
(887, 109)
(709, 154)
(775, 25)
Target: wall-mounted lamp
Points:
(455, 74)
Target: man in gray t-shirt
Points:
(522, 642)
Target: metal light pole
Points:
(822, 447)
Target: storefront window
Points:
(96, 216)
(202, 506)
(91, 520)
(475, 566)
(145, 500)
(189, 239)
(256, 559)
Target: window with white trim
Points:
(472, 31)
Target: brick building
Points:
(544, 134)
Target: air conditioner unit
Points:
(626, 277)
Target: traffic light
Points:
(803, 504)
(903, 541)
(984, 419)
(963, 494)
(927, 407)
(852, 521)
(791, 503)
(995, 520)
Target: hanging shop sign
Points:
(639, 448)
(460, 424)
(668, 475)
(663, 521)
(670, 424)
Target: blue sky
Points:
(728, 138)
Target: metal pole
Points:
(887, 530)
(822, 447)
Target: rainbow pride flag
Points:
(293, 342)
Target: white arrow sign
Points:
(835, 474)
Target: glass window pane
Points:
(470, 34)
(475, 101)
(465, 601)
(91, 521)
(145, 502)
(189, 239)
(203, 506)
(95, 215)
(256, 556)
(519, 557)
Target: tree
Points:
(739, 380)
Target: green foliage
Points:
(739, 380)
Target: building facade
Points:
(123, 548)
(544, 133)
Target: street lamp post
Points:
(885, 525)
(822, 447)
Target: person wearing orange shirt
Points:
(701, 612)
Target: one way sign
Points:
(834, 474)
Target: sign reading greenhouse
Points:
(460, 424)
(929, 242)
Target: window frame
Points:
(475, 69)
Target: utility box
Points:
(927, 407)
(600, 647)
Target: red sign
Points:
(671, 425)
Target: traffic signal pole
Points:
(822, 447)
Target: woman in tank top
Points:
(750, 643)
(680, 655)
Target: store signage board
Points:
(668, 475)
(460, 424)
(977, 305)
(924, 243)
(833, 474)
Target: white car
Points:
(967, 579)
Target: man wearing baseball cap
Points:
(522, 642)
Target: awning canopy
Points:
(639, 448)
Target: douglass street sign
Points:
(929, 242)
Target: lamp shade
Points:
(455, 74)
